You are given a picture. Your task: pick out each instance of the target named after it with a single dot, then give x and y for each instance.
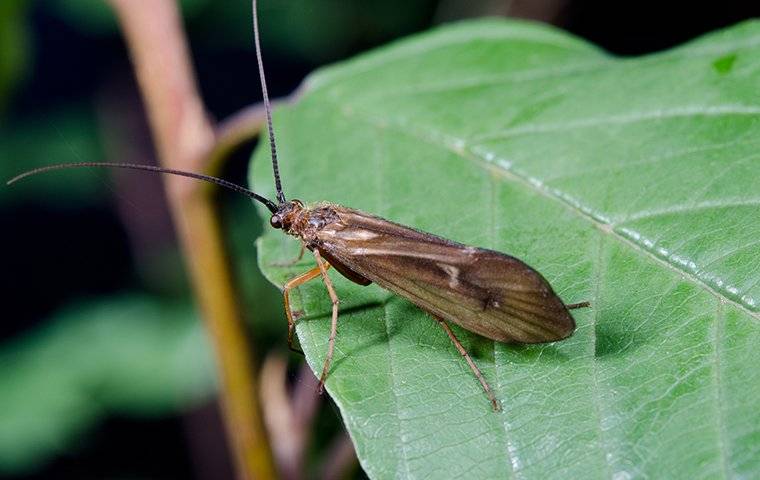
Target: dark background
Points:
(67, 94)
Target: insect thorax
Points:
(307, 222)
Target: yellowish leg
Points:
(322, 265)
(291, 284)
(494, 402)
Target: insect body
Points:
(484, 291)
(489, 293)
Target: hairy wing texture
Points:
(486, 292)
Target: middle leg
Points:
(322, 265)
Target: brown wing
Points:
(486, 292)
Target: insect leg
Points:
(295, 260)
(571, 306)
(291, 284)
(322, 265)
(494, 402)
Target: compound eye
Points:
(276, 221)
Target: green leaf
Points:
(632, 183)
(133, 355)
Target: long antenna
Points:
(132, 166)
(267, 107)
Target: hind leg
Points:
(478, 374)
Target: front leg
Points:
(289, 285)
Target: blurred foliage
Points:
(66, 134)
(315, 30)
(132, 354)
(14, 48)
(318, 31)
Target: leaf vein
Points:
(691, 208)
(595, 371)
(579, 173)
(636, 117)
(720, 421)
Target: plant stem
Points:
(185, 139)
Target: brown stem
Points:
(184, 139)
(289, 436)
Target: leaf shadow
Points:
(367, 337)
(364, 336)
(546, 352)
(617, 338)
(611, 338)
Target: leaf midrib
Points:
(600, 408)
(720, 421)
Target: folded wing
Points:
(486, 292)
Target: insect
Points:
(486, 292)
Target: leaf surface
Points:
(632, 183)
